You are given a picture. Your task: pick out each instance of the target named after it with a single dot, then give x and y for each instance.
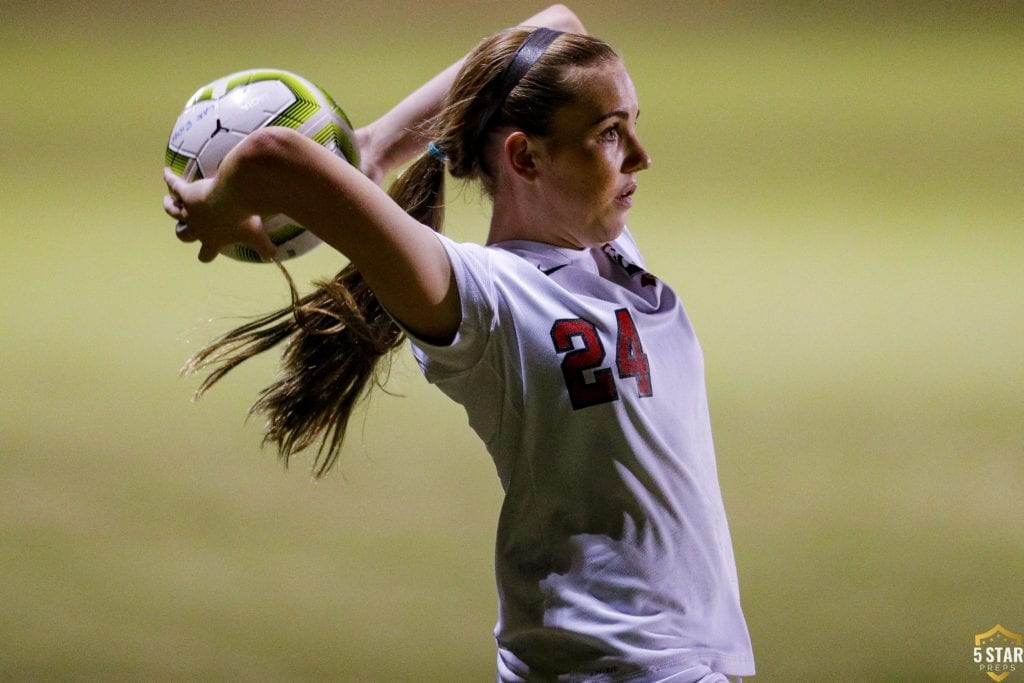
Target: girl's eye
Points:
(610, 134)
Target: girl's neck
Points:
(516, 219)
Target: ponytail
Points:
(338, 341)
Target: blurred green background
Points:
(836, 194)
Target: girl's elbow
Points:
(265, 156)
(267, 145)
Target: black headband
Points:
(526, 56)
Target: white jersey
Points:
(581, 373)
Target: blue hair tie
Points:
(436, 152)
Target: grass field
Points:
(837, 193)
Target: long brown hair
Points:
(338, 338)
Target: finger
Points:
(184, 233)
(173, 180)
(208, 252)
(267, 249)
(172, 208)
(260, 241)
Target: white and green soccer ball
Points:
(223, 112)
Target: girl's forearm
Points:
(277, 170)
(397, 136)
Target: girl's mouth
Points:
(626, 198)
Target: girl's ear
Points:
(520, 154)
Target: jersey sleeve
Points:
(471, 267)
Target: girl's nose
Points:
(637, 159)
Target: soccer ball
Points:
(219, 115)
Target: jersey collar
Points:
(547, 257)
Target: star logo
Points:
(998, 652)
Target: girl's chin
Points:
(605, 235)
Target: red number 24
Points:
(630, 360)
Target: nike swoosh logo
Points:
(552, 270)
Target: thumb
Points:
(259, 239)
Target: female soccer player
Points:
(577, 368)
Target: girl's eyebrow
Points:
(618, 113)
